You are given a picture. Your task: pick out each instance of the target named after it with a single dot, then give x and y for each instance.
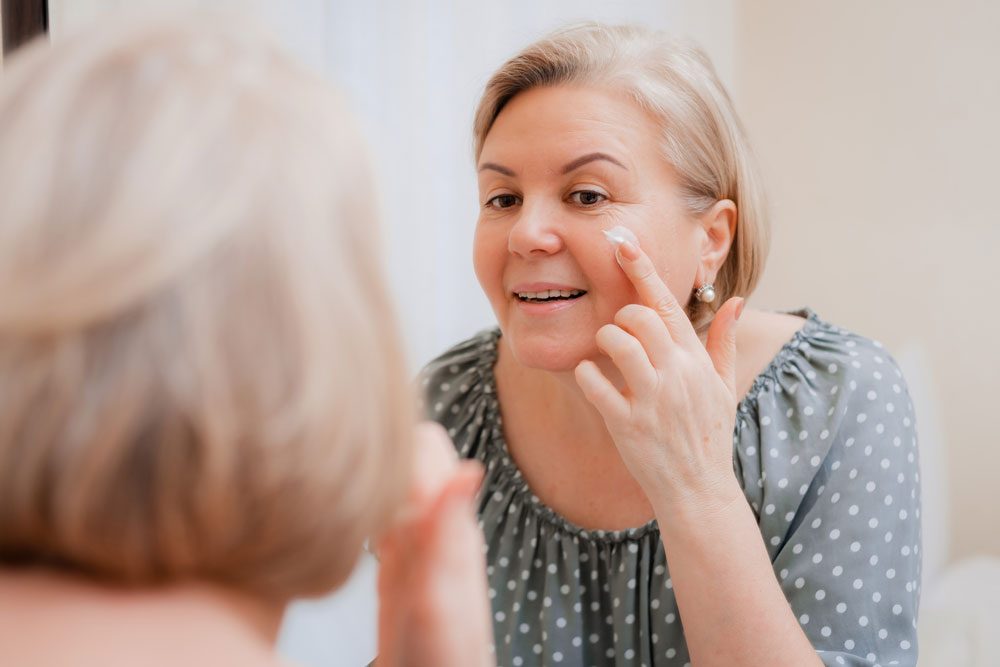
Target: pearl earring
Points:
(705, 293)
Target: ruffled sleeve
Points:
(827, 453)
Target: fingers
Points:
(455, 501)
(629, 356)
(435, 461)
(721, 343)
(434, 607)
(649, 329)
(433, 601)
(435, 465)
(654, 292)
(463, 487)
(454, 495)
(600, 392)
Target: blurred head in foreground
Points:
(200, 380)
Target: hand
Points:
(433, 606)
(673, 422)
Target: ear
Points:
(719, 226)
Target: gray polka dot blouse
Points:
(826, 452)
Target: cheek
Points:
(597, 259)
(617, 287)
(488, 252)
(677, 270)
(674, 254)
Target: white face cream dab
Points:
(619, 235)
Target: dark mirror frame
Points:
(22, 20)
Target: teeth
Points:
(549, 294)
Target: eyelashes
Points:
(500, 202)
(582, 198)
(588, 198)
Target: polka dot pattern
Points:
(826, 451)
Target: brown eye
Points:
(502, 201)
(587, 197)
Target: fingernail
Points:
(739, 308)
(473, 475)
(619, 234)
(467, 492)
(627, 251)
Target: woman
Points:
(617, 399)
(203, 404)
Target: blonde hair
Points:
(200, 376)
(702, 138)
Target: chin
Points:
(552, 351)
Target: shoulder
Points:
(462, 359)
(828, 456)
(822, 365)
(827, 390)
(457, 385)
(862, 379)
(761, 335)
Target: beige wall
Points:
(878, 126)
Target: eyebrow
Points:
(575, 164)
(498, 168)
(591, 157)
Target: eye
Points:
(587, 198)
(502, 201)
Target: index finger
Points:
(654, 292)
(435, 467)
(435, 462)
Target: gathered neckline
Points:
(487, 362)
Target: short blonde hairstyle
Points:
(200, 375)
(702, 138)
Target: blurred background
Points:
(876, 127)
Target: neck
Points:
(558, 396)
(177, 624)
(561, 445)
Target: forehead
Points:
(558, 123)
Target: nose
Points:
(535, 232)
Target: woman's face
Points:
(560, 165)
